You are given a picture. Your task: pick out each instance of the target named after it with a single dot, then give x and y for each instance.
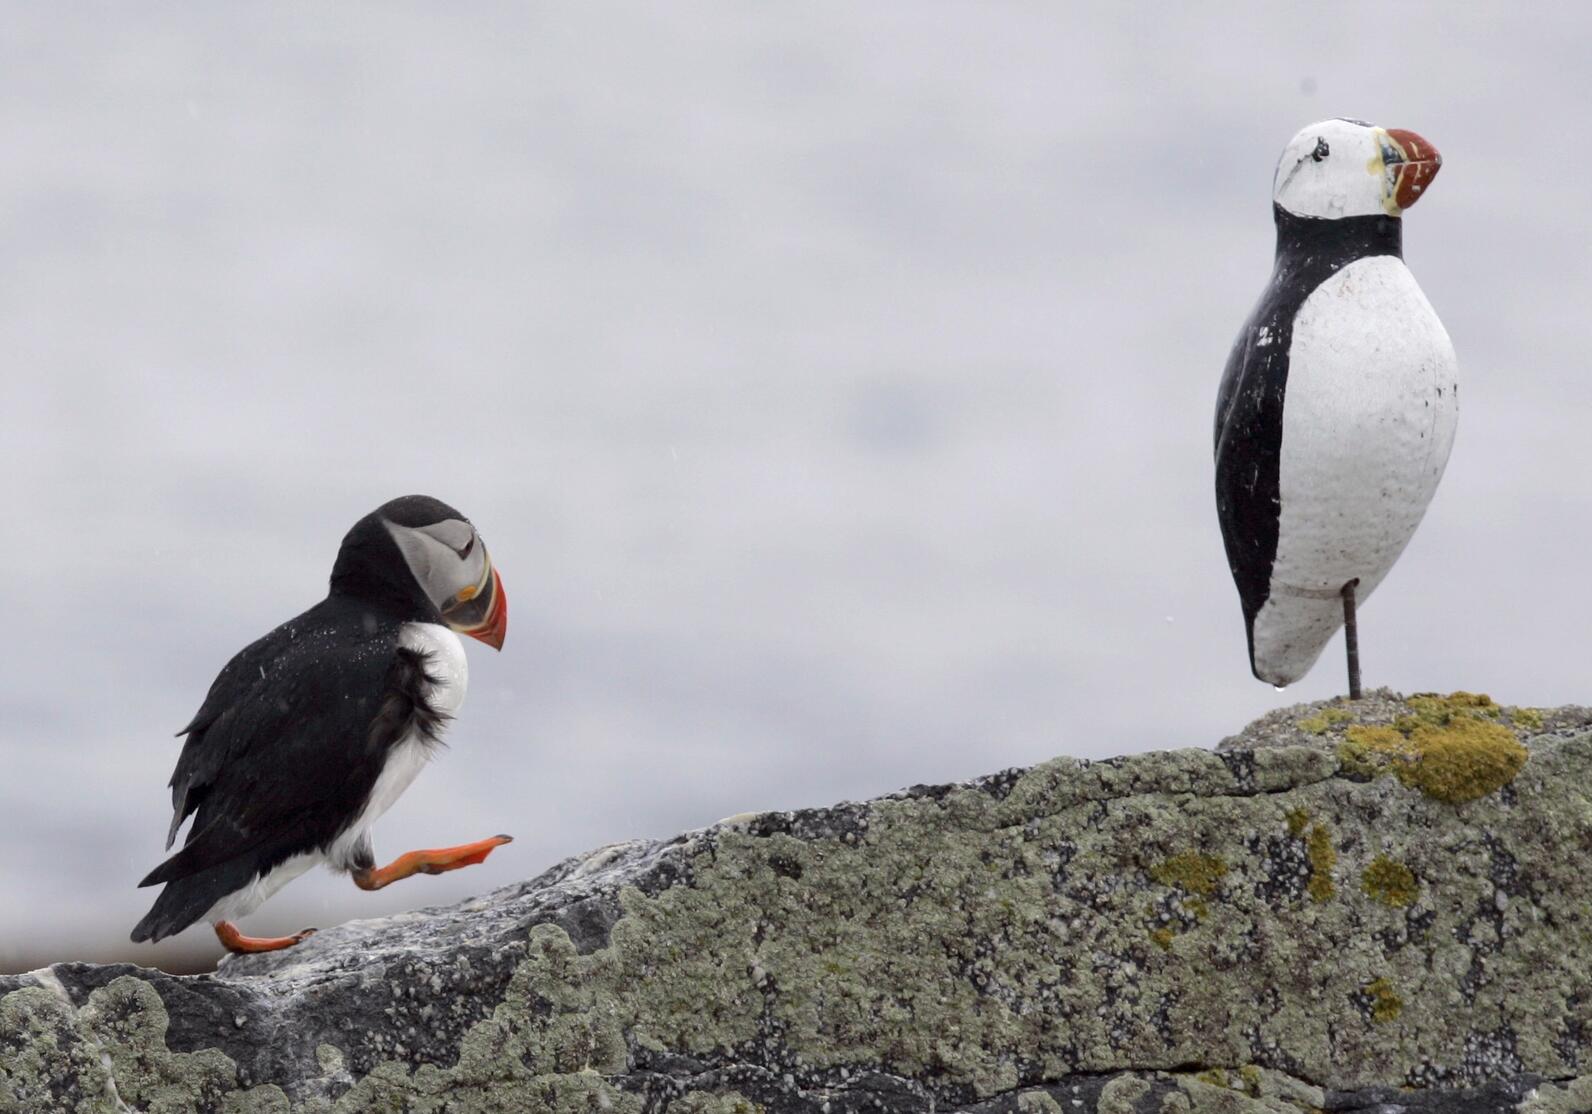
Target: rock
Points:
(1301, 921)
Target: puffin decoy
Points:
(309, 734)
(1338, 404)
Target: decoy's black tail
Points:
(185, 900)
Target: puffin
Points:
(309, 734)
(1339, 400)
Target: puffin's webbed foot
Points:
(239, 944)
(436, 861)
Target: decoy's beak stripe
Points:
(1418, 164)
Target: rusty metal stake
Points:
(1351, 637)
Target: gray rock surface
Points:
(1381, 906)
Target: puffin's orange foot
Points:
(437, 861)
(239, 944)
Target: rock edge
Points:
(1288, 924)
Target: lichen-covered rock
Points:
(1294, 923)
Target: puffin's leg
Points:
(435, 861)
(239, 944)
(1351, 637)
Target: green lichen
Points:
(1037, 1102)
(1390, 882)
(1298, 821)
(1324, 720)
(1120, 1095)
(1246, 1079)
(266, 1099)
(45, 1061)
(67, 1059)
(1385, 1004)
(1572, 1096)
(1451, 748)
(1190, 872)
(128, 1018)
(543, 1051)
(703, 1102)
(1190, 909)
(1323, 858)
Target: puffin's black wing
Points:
(233, 687)
(284, 766)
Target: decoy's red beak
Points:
(1415, 165)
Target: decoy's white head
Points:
(1348, 168)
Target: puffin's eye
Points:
(1321, 151)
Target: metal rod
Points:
(1351, 638)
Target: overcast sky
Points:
(832, 384)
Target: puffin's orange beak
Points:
(481, 611)
(495, 625)
(1414, 162)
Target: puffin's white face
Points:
(1347, 168)
(450, 563)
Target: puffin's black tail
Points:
(185, 900)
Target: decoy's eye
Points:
(1321, 151)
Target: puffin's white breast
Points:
(445, 662)
(449, 669)
(1369, 414)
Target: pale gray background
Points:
(832, 384)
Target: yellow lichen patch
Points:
(1366, 751)
(1298, 821)
(1163, 938)
(1322, 859)
(1452, 748)
(1246, 1079)
(1390, 883)
(1440, 709)
(1190, 872)
(1528, 718)
(1466, 760)
(1385, 1005)
(1323, 720)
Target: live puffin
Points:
(1338, 404)
(308, 735)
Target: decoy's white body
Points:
(1340, 400)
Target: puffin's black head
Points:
(421, 560)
